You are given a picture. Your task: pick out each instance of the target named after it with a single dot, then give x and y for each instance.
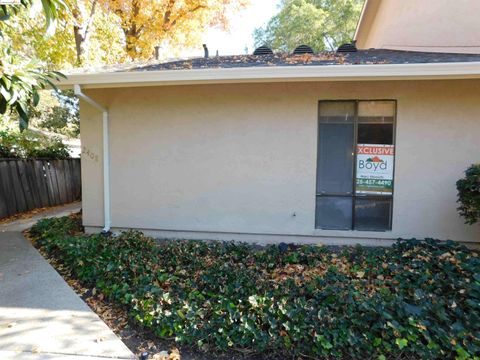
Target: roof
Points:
(363, 64)
(371, 56)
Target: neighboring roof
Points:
(363, 64)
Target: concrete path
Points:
(41, 317)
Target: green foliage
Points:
(50, 8)
(30, 145)
(57, 113)
(20, 77)
(469, 195)
(322, 24)
(58, 51)
(418, 299)
(63, 117)
(20, 82)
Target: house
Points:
(341, 148)
(427, 25)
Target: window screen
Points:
(355, 165)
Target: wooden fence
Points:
(30, 184)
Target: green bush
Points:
(416, 299)
(28, 145)
(469, 195)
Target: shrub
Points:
(418, 298)
(469, 195)
(31, 145)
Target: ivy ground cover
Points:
(412, 300)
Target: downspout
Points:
(106, 157)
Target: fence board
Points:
(62, 181)
(29, 184)
(23, 182)
(40, 179)
(16, 187)
(52, 183)
(7, 196)
(32, 183)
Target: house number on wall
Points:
(89, 154)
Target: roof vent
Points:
(263, 50)
(302, 49)
(347, 48)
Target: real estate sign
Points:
(375, 169)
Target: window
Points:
(355, 163)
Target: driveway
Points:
(41, 317)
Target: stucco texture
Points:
(426, 25)
(239, 161)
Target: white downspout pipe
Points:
(106, 156)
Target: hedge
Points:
(417, 299)
(31, 145)
(469, 195)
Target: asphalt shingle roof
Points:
(372, 56)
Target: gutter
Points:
(106, 156)
(265, 74)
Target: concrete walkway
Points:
(41, 317)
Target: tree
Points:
(83, 14)
(26, 36)
(98, 37)
(322, 24)
(469, 195)
(20, 82)
(60, 115)
(29, 144)
(84, 36)
(150, 23)
(20, 77)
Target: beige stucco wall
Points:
(426, 25)
(217, 161)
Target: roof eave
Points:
(368, 72)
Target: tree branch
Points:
(183, 14)
(90, 19)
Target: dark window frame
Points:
(353, 194)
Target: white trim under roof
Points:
(279, 73)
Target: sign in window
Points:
(355, 165)
(374, 172)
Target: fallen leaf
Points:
(162, 355)
(174, 354)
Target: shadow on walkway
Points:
(41, 317)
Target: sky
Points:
(241, 30)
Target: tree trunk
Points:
(81, 28)
(131, 36)
(132, 32)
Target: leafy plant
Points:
(20, 77)
(417, 299)
(28, 145)
(63, 118)
(469, 195)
